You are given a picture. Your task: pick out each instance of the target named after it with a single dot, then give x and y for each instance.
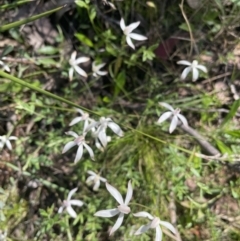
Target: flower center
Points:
(124, 209)
(79, 140)
(176, 111)
(65, 203)
(155, 222)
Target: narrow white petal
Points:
(70, 74)
(168, 226)
(92, 125)
(9, 145)
(173, 124)
(80, 71)
(90, 151)
(90, 179)
(102, 73)
(137, 36)
(129, 193)
(6, 68)
(81, 112)
(129, 42)
(76, 203)
(75, 121)
(92, 173)
(144, 215)
(86, 124)
(60, 210)
(184, 62)
(117, 224)
(71, 193)
(96, 186)
(195, 74)
(107, 213)
(73, 55)
(183, 119)
(12, 138)
(131, 27)
(72, 133)
(122, 24)
(103, 138)
(115, 128)
(68, 146)
(185, 72)
(103, 179)
(115, 193)
(81, 60)
(202, 67)
(164, 117)
(142, 229)
(79, 154)
(158, 234)
(71, 212)
(166, 105)
(98, 67)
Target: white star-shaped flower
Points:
(194, 67)
(74, 65)
(68, 204)
(175, 114)
(85, 117)
(95, 179)
(122, 209)
(101, 126)
(154, 224)
(96, 69)
(127, 30)
(5, 140)
(80, 142)
(5, 67)
(97, 142)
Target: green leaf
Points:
(15, 4)
(223, 148)
(48, 62)
(85, 40)
(120, 82)
(28, 20)
(8, 49)
(232, 112)
(234, 133)
(92, 14)
(81, 4)
(44, 92)
(49, 50)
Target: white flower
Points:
(85, 117)
(5, 67)
(127, 30)
(194, 66)
(80, 142)
(5, 140)
(175, 114)
(3, 235)
(95, 179)
(97, 142)
(74, 65)
(67, 204)
(155, 222)
(101, 126)
(121, 209)
(96, 69)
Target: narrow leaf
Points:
(28, 20)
